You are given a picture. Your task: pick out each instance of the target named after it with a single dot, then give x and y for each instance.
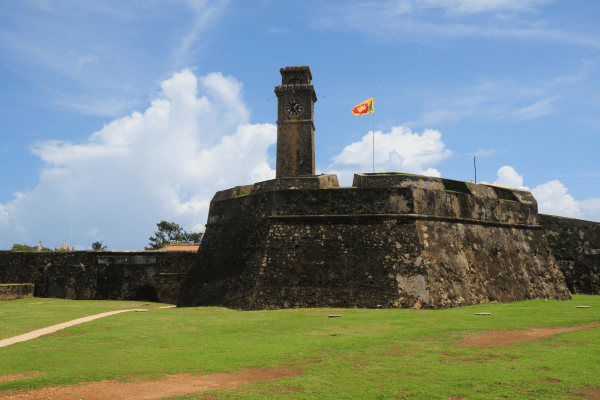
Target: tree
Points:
(97, 246)
(169, 232)
(24, 247)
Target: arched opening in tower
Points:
(146, 293)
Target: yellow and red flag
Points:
(366, 107)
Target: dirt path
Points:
(506, 338)
(54, 328)
(174, 385)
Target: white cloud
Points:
(507, 176)
(478, 6)
(165, 163)
(591, 208)
(206, 14)
(400, 150)
(488, 100)
(553, 199)
(98, 49)
(571, 78)
(483, 153)
(537, 109)
(417, 20)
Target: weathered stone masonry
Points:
(393, 240)
(16, 291)
(99, 275)
(575, 244)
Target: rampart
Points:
(100, 275)
(392, 240)
(575, 244)
(331, 247)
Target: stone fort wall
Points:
(393, 240)
(575, 244)
(99, 275)
(114, 275)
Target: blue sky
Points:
(117, 115)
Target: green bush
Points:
(24, 247)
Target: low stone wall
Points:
(16, 291)
(575, 244)
(100, 275)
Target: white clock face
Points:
(293, 107)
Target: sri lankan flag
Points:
(366, 107)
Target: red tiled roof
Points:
(181, 247)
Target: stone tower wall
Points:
(295, 133)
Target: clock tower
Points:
(295, 123)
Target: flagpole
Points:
(373, 133)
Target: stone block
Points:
(16, 291)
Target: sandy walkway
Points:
(54, 328)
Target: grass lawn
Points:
(365, 354)
(22, 316)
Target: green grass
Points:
(365, 354)
(242, 195)
(21, 316)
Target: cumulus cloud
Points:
(165, 163)
(400, 150)
(591, 208)
(507, 176)
(552, 197)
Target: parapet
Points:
(292, 88)
(302, 182)
(458, 199)
(295, 71)
(385, 195)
